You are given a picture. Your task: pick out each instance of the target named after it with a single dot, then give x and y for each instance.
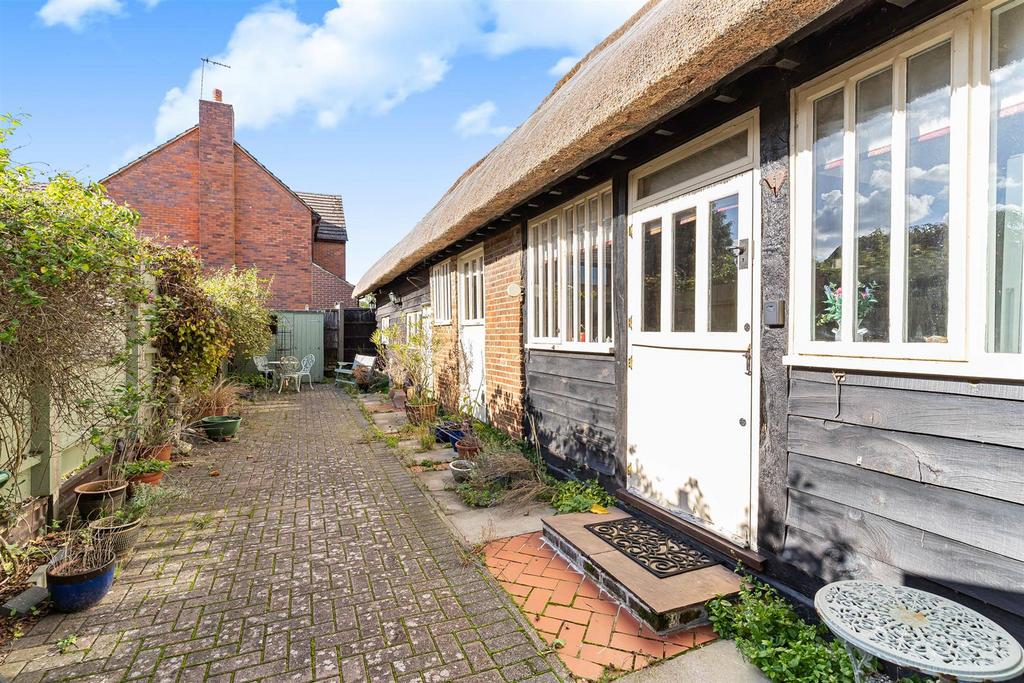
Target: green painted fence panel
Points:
(300, 333)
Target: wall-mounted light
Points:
(514, 290)
(395, 300)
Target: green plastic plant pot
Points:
(220, 427)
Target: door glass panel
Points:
(927, 194)
(723, 287)
(1006, 162)
(873, 207)
(828, 215)
(606, 222)
(684, 270)
(544, 264)
(722, 153)
(537, 282)
(651, 289)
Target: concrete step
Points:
(665, 604)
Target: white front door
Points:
(689, 383)
(471, 333)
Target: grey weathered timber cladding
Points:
(915, 480)
(574, 402)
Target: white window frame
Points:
(472, 303)
(556, 277)
(441, 293)
(964, 354)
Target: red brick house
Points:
(205, 189)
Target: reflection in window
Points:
(651, 289)
(873, 207)
(606, 229)
(1006, 194)
(684, 270)
(828, 215)
(595, 244)
(570, 294)
(927, 194)
(722, 153)
(723, 290)
(581, 271)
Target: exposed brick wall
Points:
(164, 189)
(217, 218)
(503, 336)
(275, 233)
(203, 190)
(330, 290)
(330, 256)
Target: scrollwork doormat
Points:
(650, 547)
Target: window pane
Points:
(723, 289)
(535, 239)
(828, 215)
(873, 206)
(570, 291)
(606, 218)
(555, 276)
(721, 153)
(928, 118)
(1006, 202)
(684, 270)
(651, 291)
(581, 272)
(544, 251)
(594, 275)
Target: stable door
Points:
(689, 366)
(471, 334)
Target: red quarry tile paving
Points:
(598, 637)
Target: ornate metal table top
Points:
(919, 630)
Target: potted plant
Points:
(100, 498)
(219, 398)
(468, 447)
(462, 470)
(408, 363)
(122, 529)
(145, 470)
(81, 573)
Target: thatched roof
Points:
(667, 53)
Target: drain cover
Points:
(650, 547)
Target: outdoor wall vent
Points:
(583, 176)
(619, 157)
(724, 98)
(664, 132)
(557, 193)
(787, 64)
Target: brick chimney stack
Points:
(216, 183)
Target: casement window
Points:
(908, 176)
(441, 293)
(385, 328)
(569, 274)
(471, 288)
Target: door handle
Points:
(741, 251)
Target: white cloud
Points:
(573, 24)
(74, 13)
(562, 66)
(367, 55)
(479, 120)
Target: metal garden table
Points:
(916, 630)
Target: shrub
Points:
(143, 466)
(189, 333)
(408, 360)
(242, 298)
(773, 637)
(70, 285)
(579, 496)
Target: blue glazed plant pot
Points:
(448, 434)
(76, 591)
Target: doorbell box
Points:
(774, 313)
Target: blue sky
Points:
(385, 102)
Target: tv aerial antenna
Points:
(202, 74)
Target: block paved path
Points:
(312, 556)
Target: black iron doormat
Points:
(650, 547)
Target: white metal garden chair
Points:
(289, 370)
(261, 367)
(304, 370)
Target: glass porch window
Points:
(827, 230)
(1006, 181)
(606, 240)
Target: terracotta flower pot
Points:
(467, 448)
(153, 478)
(100, 498)
(160, 452)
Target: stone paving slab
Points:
(313, 556)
